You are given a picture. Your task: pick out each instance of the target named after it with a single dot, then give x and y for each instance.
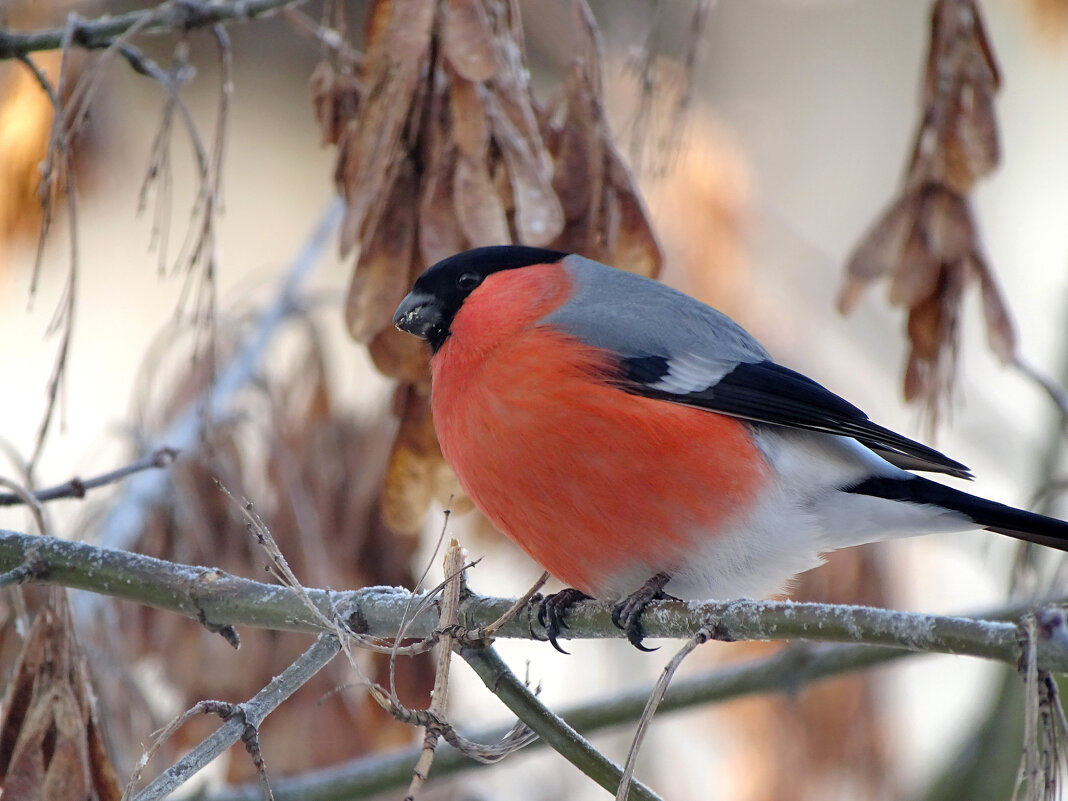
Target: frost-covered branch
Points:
(177, 15)
(212, 595)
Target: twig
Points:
(488, 632)
(24, 495)
(253, 712)
(561, 737)
(57, 169)
(328, 618)
(702, 636)
(208, 594)
(31, 567)
(419, 606)
(450, 604)
(70, 109)
(165, 18)
(1055, 392)
(199, 249)
(786, 671)
(78, 487)
(330, 38)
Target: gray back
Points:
(635, 316)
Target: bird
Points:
(639, 444)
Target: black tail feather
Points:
(990, 515)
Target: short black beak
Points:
(419, 314)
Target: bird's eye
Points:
(468, 281)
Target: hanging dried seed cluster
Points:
(927, 242)
(51, 743)
(441, 147)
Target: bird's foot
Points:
(553, 610)
(627, 614)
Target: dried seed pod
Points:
(927, 241)
(445, 148)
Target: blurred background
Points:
(796, 124)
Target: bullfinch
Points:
(636, 442)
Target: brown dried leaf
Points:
(971, 146)
(578, 153)
(380, 279)
(948, 224)
(50, 748)
(468, 40)
(958, 141)
(916, 386)
(502, 183)
(370, 150)
(635, 248)
(926, 327)
(335, 97)
(411, 476)
(942, 232)
(928, 241)
(378, 20)
(400, 356)
(478, 208)
(934, 333)
(539, 219)
(879, 250)
(1000, 330)
(918, 271)
(469, 125)
(439, 230)
(605, 215)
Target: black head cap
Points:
(428, 310)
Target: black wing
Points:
(765, 392)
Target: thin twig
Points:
(328, 618)
(26, 496)
(1045, 727)
(70, 110)
(561, 737)
(1055, 392)
(330, 38)
(57, 169)
(167, 17)
(31, 568)
(702, 636)
(410, 613)
(488, 632)
(253, 711)
(78, 487)
(450, 604)
(787, 671)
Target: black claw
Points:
(553, 609)
(627, 615)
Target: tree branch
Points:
(77, 487)
(253, 712)
(567, 742)
(216, 596)
(786, 671)
(167, 17)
